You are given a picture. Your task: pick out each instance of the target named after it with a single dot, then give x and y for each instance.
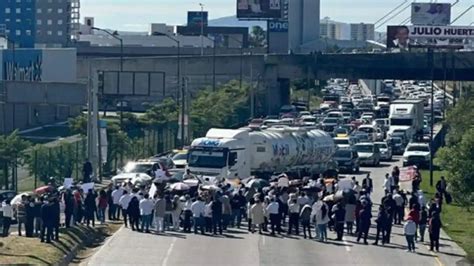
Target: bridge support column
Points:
(277, 91)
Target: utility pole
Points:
(431, 63)
(202, 28)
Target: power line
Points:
(390, 12)
(396, 14)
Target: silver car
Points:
(385, 151)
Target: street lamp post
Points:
(241, 59)
(213, 62)
(179, 87)
(115, 36)
(202, 28)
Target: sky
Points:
(136, 15)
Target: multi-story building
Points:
(40, 23)
(334, 30)
(17, 20)
(362, 32)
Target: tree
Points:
(12, 153)
(226, 107)
(460, 119)
(78, 125)
(458, 161)
(162, 113)
(257, 37)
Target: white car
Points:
(136, 172)
(180, 159)
(385, 151)
(417, 154)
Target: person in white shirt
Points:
(320, 214)
(294, 215)
(146, 209)
(186, 202)
(116, 195)
(197, 208)
(388, 184)
(208, 216)
(7, 217)
(123, 203)
(302, 200)
(410, 231)
(273, 211)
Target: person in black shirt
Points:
(30, 217)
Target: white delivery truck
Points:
(407, 115)
(227, 153)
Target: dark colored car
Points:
(347, 160)
(397, 145)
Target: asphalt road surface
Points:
(237, 247)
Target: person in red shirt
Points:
(102, 206)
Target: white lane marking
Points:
(168, 253)
(263, 240)
(346, 244)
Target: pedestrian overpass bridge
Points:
(273, 73)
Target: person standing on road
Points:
(208, 216)
(216, 214)
(293, 214)
(273, 211)
(46, 215)
(226, 211)
(367, 184)
(350, 214)
(176, 212)
(21, 213)
(364, 218)
(102, 206)
(160, 212)
(423, 223)
(410, 231)
(146, 209)
(339, 217)
(7, 217)
(90, 207)
(382, 221)
(30, 217)
(399, 207)
(116, 195)
(305, 218)
(197, 208)
(133, 212)
(68, 207)
(396, 176)
(124, 202)
(110, 202)
(257, 215)
(388, 184)
(187, 214)
(321, 215)
(435, 229)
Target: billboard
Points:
(197, 19)
(402, 36)
(259, 9)
(434, 14)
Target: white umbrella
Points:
(191, 182)
(179, 186)
(17, 199)
(211, 187)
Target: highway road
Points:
(238, 247)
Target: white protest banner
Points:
(152, 190)
(67, 182)
(85, 187)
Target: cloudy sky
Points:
(137, 14)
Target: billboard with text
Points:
(259, 9)
(435, 14)
(404, 36)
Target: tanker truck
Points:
(229, 153)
